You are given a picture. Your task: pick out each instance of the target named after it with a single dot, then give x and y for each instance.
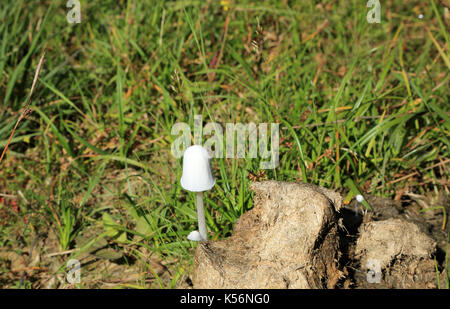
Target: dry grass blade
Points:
(439, 48)
(26, 110)
(445, 3)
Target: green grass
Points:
(359, 105)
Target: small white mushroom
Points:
(197, 177)
(194, 236)
(359, 198)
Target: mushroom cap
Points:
(197, 174)
(359, 198)
(194, 236)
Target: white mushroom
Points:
(359, 198)
(194, 236)
(197, 177)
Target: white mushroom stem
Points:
(201, 216)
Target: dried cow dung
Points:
(288, 240)
(397, 253)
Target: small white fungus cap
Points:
(197, 175)
(194, 236)
(359, 198)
